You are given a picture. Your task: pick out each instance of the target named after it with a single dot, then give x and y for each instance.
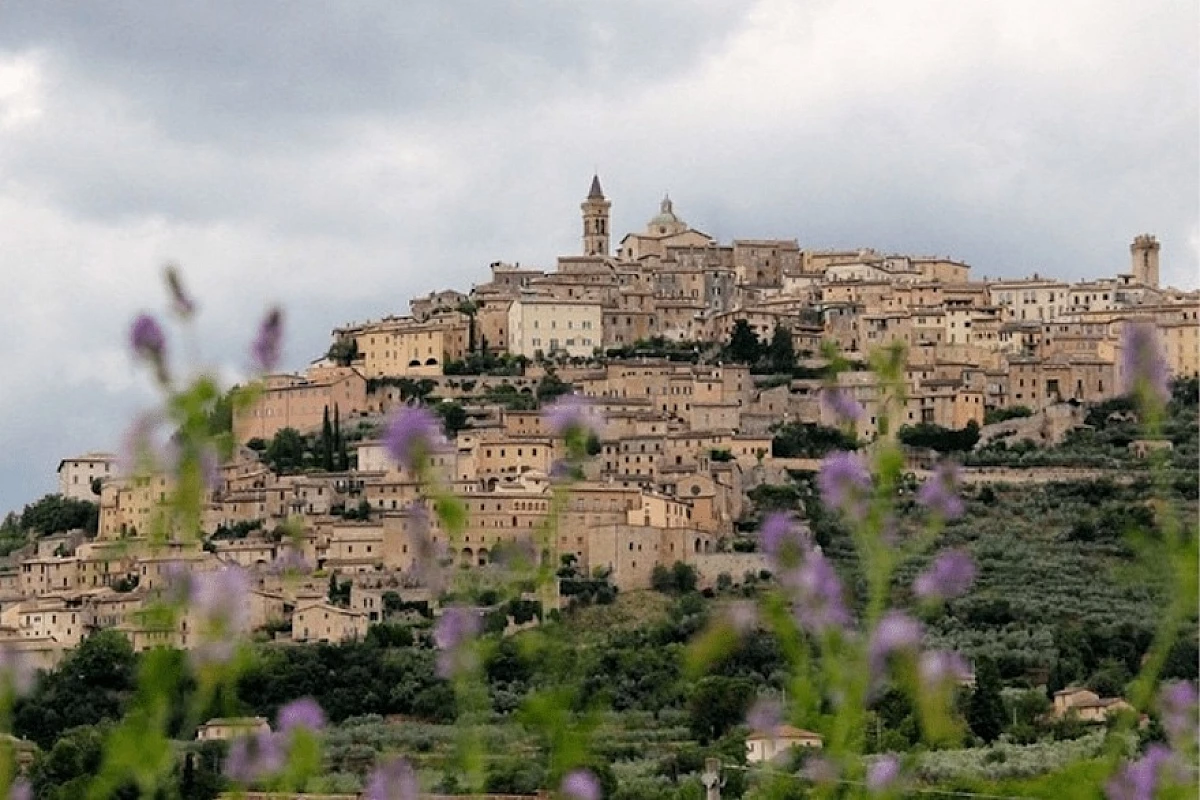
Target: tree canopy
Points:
(56, 514)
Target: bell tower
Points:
(595, 221)
(1144, 254)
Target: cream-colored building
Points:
(54, 618)
(399, 347)
(766, 746)
(545, 326)
(301, 402)
(1030, 299)
(1087, 705)
(76, 474)
(322, 622)
(223, 729)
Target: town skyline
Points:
(231, 370)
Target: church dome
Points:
(666, 221)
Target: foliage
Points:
(808, 440)
(718, 703)
(962, 768)
(55, 513)
(103, 663)
(679, 578)
(744, 346)
(12, 535)
(485, 362)
(994, 415)
(781, 355)
(288, 452)
(348, 680)
(238, 530)
(944, 440)
(454, 417)
(219, 419)
(985, 714)
(343, 351)
(63, 771)
(510, 397)
(551, 387)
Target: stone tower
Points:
(595, 221)
(1144, 253)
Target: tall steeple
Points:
(595, 220)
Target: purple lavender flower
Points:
(1143, 367)
(147, 339)
(882, 773)
(939, 494)
(572, 414)
(394, 780)
(20, 790)
(765, 715)
(561, 470)
(940, 668)
(252, 758)
(180, 301)
(783, 540)
(289, 560)
(177, 582)
(1177, 704)
(454, 629)
(950, 574)
(843, 481)
(1138, 780)
(520, 553)
(220, 596)
(841, 404)
(581, 784)
(819, 605)
(429, 556)
(896, 633)
(303, 713)
(411, 435)
(268, 342)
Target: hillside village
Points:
(695, 351)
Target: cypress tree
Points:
(781, 351)
(985, 713)
(326, 443)
(339, 443)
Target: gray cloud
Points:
(338, 159)
(265, 71)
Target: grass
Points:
(630, 611)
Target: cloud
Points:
(340, 159)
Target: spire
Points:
(596, 193)
(665, 206)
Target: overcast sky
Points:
(338, 158)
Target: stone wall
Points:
(710, 565)
(1045, 428)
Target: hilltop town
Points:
(699, 354)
